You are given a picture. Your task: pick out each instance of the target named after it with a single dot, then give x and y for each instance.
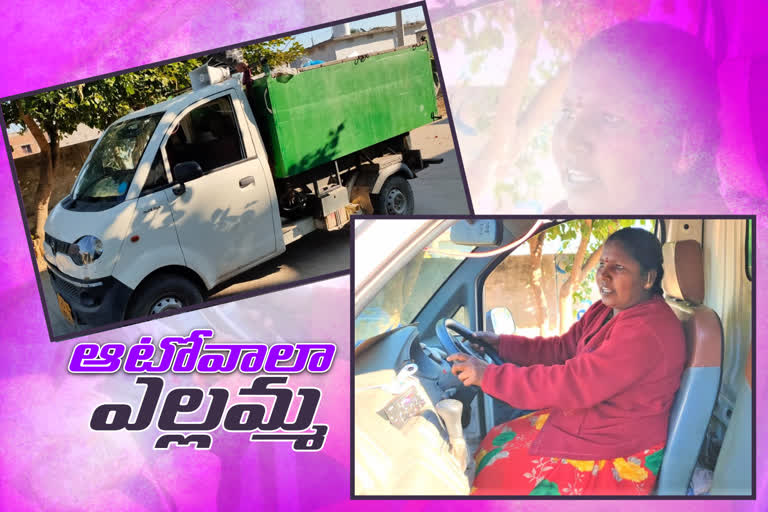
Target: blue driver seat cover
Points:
(683, 285)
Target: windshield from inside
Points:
(412, 286)
(109, 171)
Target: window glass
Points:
(537, 282)
(109, 170)
(412, 286)
(461, 316)
(208, 135)
(156, 179)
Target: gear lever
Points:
(450, 412)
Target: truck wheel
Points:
(164, 294)
(395, 197)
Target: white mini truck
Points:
(181, 196)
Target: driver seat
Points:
(683, 285)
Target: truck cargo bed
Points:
(325, 112)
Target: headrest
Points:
(683, 271)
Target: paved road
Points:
(314, 255)
(59, 325)
(437, 190)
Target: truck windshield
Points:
(404, 296)
(109, 171)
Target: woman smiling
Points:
(604, 388)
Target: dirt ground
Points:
(440, 104)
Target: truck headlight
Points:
(85, 250)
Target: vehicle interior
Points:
(419, 295)
(207, 135)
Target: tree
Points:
(536, 246)
(48, 117)
(276, 52)
(51, 115)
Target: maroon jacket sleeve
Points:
(629, 352)
(548, 351)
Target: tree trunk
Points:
(575, 279)
(592, 261)
(48, 154)
(507, 111)
(536, 245)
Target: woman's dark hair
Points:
(645, 248)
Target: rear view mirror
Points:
(186, 171)
(484, 232)
(500, 321)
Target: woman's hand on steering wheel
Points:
(469, 370)
(445, 326)
(490, 338)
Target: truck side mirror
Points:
(184, 172)
(500, 321)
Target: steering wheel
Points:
(452, 345)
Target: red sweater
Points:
(610, 385)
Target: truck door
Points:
(224, 219)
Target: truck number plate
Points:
(66, 310)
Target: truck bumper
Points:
(96, 302)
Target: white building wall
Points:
(366, 44)
(360, 45)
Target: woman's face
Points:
(620, 278)
(610, 144)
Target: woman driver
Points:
(608, 385)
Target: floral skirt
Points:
(504, 467)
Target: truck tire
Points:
(395, 197)
(163, 294)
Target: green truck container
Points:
(331, 110)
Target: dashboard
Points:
(398, 348)
(402, 445)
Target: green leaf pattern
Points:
(545, 488)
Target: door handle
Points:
(248, 180)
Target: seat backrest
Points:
(733, 471)
(683, 285)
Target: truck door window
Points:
(208, 135)
(537, 281)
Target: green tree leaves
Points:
(275, 52)
(99, 103)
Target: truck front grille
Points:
(65, 288)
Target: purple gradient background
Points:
(49, 460)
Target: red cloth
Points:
(610, 385)
(504, 466)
